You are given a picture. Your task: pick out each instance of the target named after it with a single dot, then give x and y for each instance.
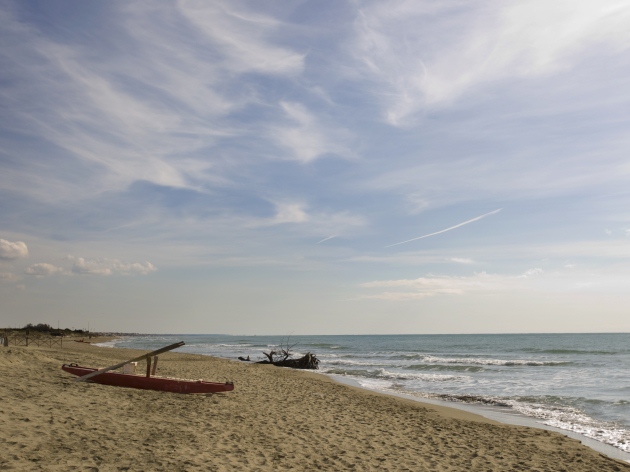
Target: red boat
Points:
(163, 384)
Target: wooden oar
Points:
(144, 356)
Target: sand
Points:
(275, 419)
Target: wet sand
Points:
(275, 419)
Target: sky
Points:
(315, 167)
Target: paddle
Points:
(107, 369)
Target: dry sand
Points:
(275, 419)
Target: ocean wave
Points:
(376, 363)
(572, 351)
(410, 356)
(417, 376)
(493, 362)
(343, 355)
(325, 346)
(228, 346)
(321, 356)
(375, 384)
(456, 368)
(477, 360)
(359, 373)
(343, 362)
(468, 398)
(384, 374)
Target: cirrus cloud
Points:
(306, 137)
(481, 43)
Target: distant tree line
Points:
(46, 328)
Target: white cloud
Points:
(477, 43)
(461, 260)
(438, 284)
(417, 203)
(423, 287)
(85, 267)
(43, 269)
(135, 268)
(532, 273)
(149, 112)
(10, 250)
(307, 223)
(106, 267)
(290, 213)
(83, 108)
(305, 136)
(243, 36)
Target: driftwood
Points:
(282, 356)
(307, 361)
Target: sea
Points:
(575, 383)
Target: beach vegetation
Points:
(46, 328)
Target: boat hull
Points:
(162, 384)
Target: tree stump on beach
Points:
(307, 361)
(282, 357)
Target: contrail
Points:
(326, 239)
(448, 229)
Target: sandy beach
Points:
(275, 419)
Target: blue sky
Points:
(272, 167)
